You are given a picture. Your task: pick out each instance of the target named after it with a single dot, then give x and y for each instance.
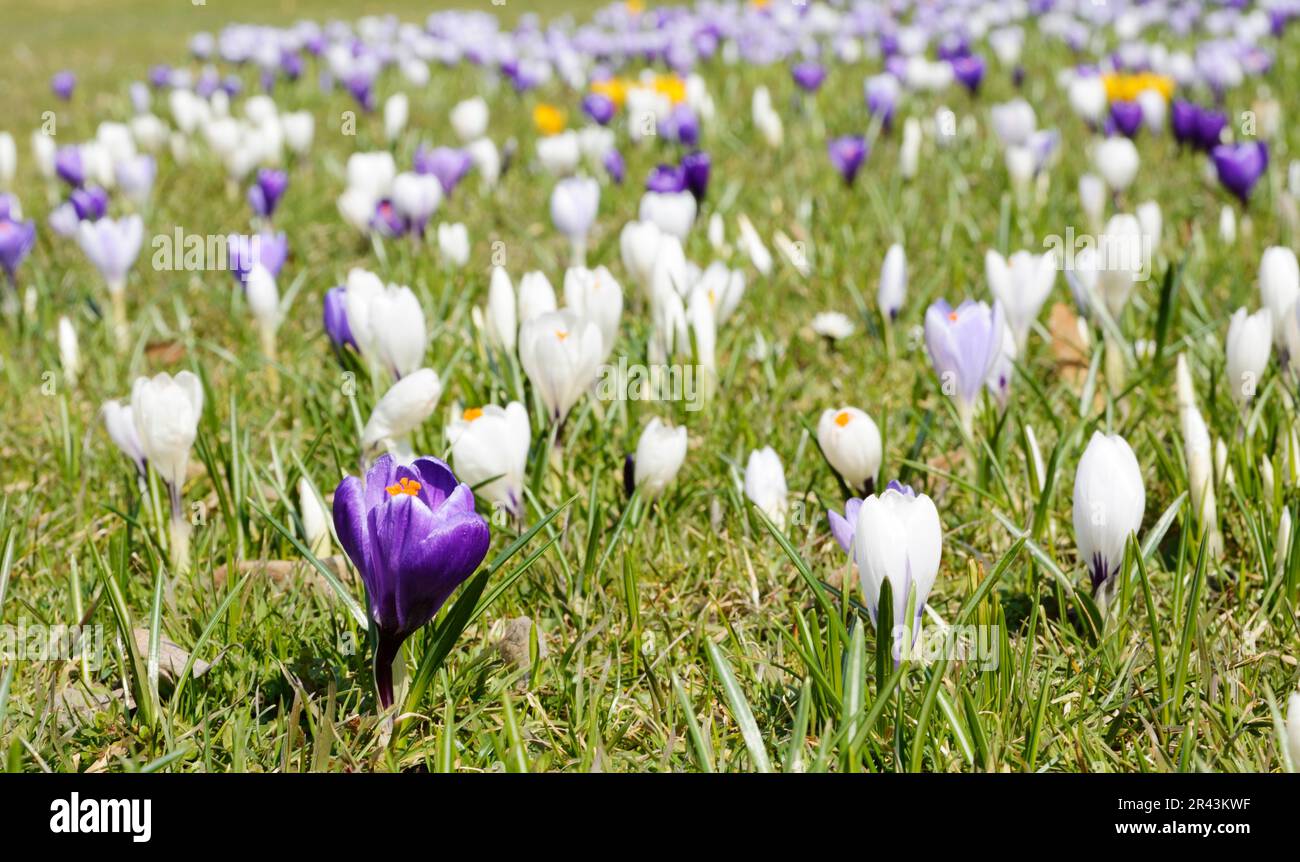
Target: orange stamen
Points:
(405, 486)
(472, 413)
(842, 418)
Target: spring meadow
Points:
(851, 386)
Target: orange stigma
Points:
(472, 413)
(842, 418)
(405, 486)
(561, 334)
(952, 315)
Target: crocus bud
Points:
(963, 343)
(69, 353)
(574, 203)
(397, 109)
(166, 412)
(1021, 285)
(298, 127)
(414, 536)
(909, 151)
(659, 456)
(1121, 259)
(1116, 159)
(639, 246)
(120, 424)
(315, 520)
(1087, 96)
(672, 212)
(1279, 287)
(1293, 729)
(469, 119)
(1109, 501)
(893, 282)
(8, 160)
(502, 324)
(416, 198)
(453, 244)
(560, 153)
(851, 443)
(1228, 225)
(1092, 198)
(492, 443)
(596, 295)
(1151, 221)
(536, 296)
(404, 407)
(898, 538)
(1282, 545)
(765, 484)
(752, 244)
(561, 353)
(1250, 340)
(1199, 452)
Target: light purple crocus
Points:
(1240, 166)
(448, 164)
(844, 526)
(847, 154)
(63, 220)
(16, 240)
(882, 98)
(265, 193)
(414, 536)
(336, 319)
(574, 202)
(112, 246)
(135, 176)
(964, 343)
(63, 83)
(808, 75)
(243, 252)
(599, 107)
(69, 165)
(614, 166)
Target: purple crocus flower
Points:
(969, 70)
(964, 343)
(387, 222)
(336, 319)
(1127, 116)
(696, 168)
(362, 89)
(1209, 128)
(243, 252)
(599, 107)
(265, 193)
(448, 164)
(808, 75)
(1240, 166)
(69, 166)
(847, 154)
(614, 166)
(63, 83)
(882, 98)
(682, 126)
(843, 527)
(16, 240)
(666, 179)
(160, 76)
(90, 202)
(414, 536)
(1183, 118)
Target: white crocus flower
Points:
(453, 244)
(893, 283)
(851, 443)
(315, 518)
(1022, 284)
(492, 442)
(898, 538)
(1250, 341)
(672, 212)
(596, 295)
(561, 354)
(1116, 159)
(765, 484)
(402, 409)
(166, 412)
(397, 109)
(470, 119)
(120, 424)
(639, 244)
(659, 456)
(502, 321)
(536, 296)
(1109, 501)
(264, 302)
(1199, 453)
(1279, 287)
(69, 352)
(560, 154)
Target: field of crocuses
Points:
(851, 386)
